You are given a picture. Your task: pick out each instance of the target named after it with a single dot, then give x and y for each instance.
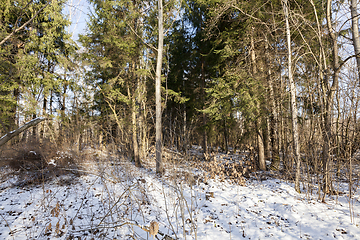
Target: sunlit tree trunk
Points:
(292, 100)
(204, 118)
(330, 91)
(134, 130)
(260, 141)
(355, 32)
(4, 139)
(274, 127)
(159, 163)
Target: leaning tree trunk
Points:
(7, 137)
(159, 163)
(292, 100)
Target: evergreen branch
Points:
(27, 5)
(25, 24)
(150, 46)
(352, 18)
(7, 130)
(252, 16)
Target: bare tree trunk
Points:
(266, 134)
(134, 137)
(274, 128)
(159, 163)
(204, 118)
(21, 129)
(330, 91)
(142, 123)
(42, 130)
(260, 142)
(261, 152)
(134, 129)
(355, 32)
(226, 137)
(292, 100)
(185, 138)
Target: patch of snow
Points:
(33, 152)
(119, 200)
(52, 162)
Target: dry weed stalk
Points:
(224, 170)
(153, 229)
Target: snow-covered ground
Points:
(115, 200)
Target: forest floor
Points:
(109, 198)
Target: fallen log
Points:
(4, 139)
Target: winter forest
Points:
(178, 119)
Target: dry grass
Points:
(36, 162)
(223, 169)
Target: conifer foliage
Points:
(272, 81)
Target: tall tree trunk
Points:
(204, 118)
(184, 134)
(330, 91)
(266, 134)
(274, 128)
(261, 152)
(134, 129)
(355, 32)
(226, 137)
(134, 137)
(51, 102)
(42, 130)
(273, 119)
(260, 142)
(292, 100)
(142, 122)
(159, 163)
(62, 112)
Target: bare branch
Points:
(150, 46)
(25, 24)
(21, 129)
(346, 59)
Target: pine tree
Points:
(30, 56)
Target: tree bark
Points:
(226, 137)
(134, 137)
(261, 152)
(330, 91)
(21, 129)
(260, 142)
(204, 118)
(292, 99)
(134, 129)
(159, 163)
(274, 128)
(355, 32)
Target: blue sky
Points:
(77, 11)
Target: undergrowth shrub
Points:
(35, 162)
(225, 170)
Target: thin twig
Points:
(29, 21)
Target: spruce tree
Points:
(31, 55)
